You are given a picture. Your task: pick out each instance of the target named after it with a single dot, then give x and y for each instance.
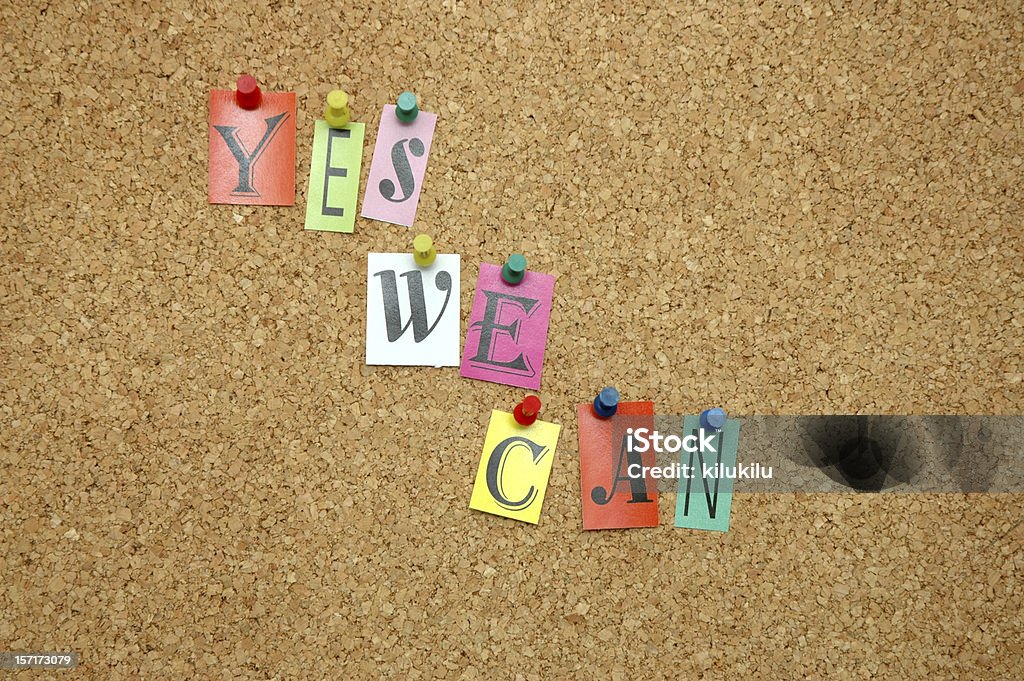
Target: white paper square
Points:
(438, 322)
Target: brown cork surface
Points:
(777, 208)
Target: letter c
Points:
(496, 470)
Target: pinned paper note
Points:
(704, 492)
(514, 468)
(508, 328)
(412, 312)
(398, 166)
(334, 177)
(617, 489)
(252, 151)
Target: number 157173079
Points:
(19, 660)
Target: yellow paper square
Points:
(514, 468)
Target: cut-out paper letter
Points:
(334, 177)
(508, 328)
(398, 166)
(412, 312)
(514, 468)
(252, 151)
(704, 499)
(616, 491)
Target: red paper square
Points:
(264, 138)
(607, 505)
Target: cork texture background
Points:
(777, 208)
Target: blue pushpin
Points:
(606, 403)
(712, 419)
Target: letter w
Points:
(417, 304)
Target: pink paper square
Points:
(508, 328)
(399, 164)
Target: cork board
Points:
(777, 208)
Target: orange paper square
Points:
(252, 151)
(609, 499)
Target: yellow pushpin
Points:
(337, 115)
(423, 250)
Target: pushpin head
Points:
(247, 92)
(606, 403)
(712, 419)
(337, 114)
(406, 110)
(514, 270)
(423, 251)
(526, 411)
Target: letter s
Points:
(402, 170)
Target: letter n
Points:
(706, 503)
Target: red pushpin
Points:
(526, 411)
(247, 92)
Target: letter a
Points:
(638, 485)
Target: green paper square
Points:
(337, 177)
(699, 504)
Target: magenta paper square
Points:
(399, 164)
(508, 328)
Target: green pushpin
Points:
(406, 109)
(514, 270)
